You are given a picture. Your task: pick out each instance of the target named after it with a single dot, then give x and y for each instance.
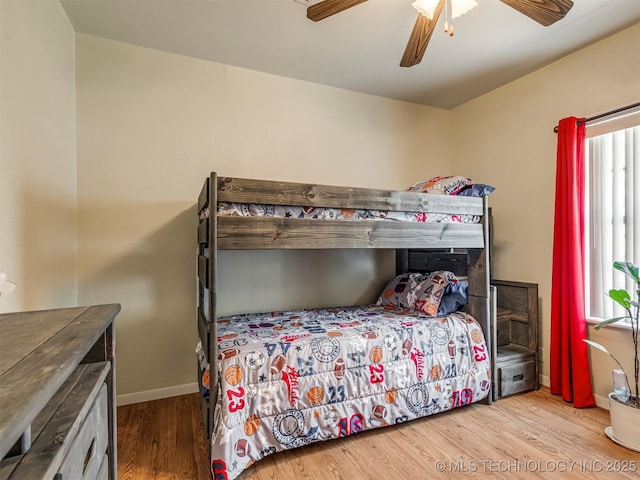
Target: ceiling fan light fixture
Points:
(460, 7)
(455, 7)
(426, 7)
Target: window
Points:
(612, 209)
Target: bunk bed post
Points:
(480, 292)
(212, 277)
(402, 261)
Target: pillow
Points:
(400, 292)
(442, 185)
(417, 291)
(455, 296)
(476, 190)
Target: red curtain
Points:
(570, 372)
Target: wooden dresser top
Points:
(38, 351)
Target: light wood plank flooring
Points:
(533, 435)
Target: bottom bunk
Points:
(288, 379)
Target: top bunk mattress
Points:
(327, 213)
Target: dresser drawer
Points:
(78, 408)
(87, 451)
(516, 377)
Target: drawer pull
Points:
(518, 378)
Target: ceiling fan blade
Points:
(420, 36)
(545, 12)
(329, 7)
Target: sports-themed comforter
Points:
(288, 379)
(323, 213)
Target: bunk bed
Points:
(285, 379)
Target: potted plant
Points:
(625, 412)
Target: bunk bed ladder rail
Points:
(206, 311)
(212, 278)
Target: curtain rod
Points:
(602, 115)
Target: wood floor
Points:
(533, 435)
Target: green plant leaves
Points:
(621, 296)
(632, 310)
(628, 269)
(609, 321)
(596, 345)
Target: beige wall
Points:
(37, 155)
(152, 126)
(506, 138)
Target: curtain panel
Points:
(570, 375)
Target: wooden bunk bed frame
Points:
(460, 248)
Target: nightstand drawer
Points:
(86, 453)
(516, 377)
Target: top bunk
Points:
(459, 220)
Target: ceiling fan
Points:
(545, 12)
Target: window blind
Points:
(612, 217)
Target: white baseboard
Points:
(157, 394)
(602, 402)
(544, 380)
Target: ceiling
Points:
(358, 49)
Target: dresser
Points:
(57, 394)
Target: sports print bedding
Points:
(321, 213)
(288, 379)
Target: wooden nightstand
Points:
(517, 337)
(57, 394)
